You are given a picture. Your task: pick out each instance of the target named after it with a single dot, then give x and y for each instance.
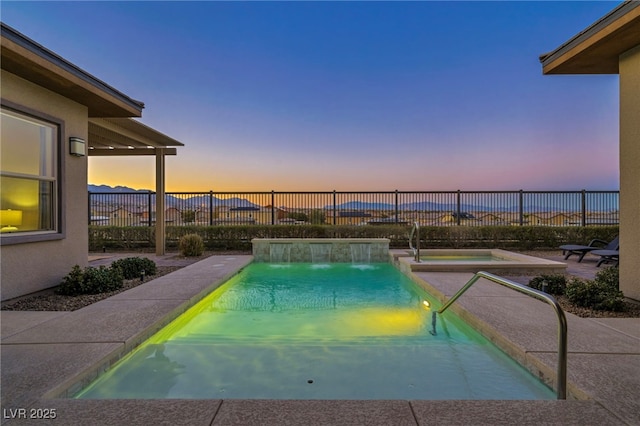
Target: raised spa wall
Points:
(337, 250)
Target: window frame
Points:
(59, 232)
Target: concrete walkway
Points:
(47, 355)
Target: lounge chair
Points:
(596, 244)
(607, 256)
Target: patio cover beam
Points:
(127, 137)
(125, 152)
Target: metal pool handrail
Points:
(562, 320)
(416, 250)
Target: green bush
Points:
(238, 237)
(188, 216)
(90, 281)
(609, 276)
(602, 293)
(102, 279)
(132, 267)
(298, 216)
(73, 283)
(191, 245)
(554, 283)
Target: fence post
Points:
(89, 207)
(149, 207)
(397, 211)
(273, 208)
(458, 208)
(334, 207)
(210, 208)
(584, 208)
(521, 207)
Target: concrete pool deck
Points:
(43, 353)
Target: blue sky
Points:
(295, 96)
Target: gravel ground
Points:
(49, 301)
(632, 310)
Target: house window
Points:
(28, 174)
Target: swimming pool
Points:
(316, 331)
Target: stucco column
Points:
(630, 173)
(160, 208)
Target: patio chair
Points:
(595, 244)
(607, 256)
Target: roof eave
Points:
(596, 49)
(29, 60)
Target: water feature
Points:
(280, 253)
(337, 250)
(360, 253)
(320, 253)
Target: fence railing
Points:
(428, 208)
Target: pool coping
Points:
(68, 354)
(512, 262)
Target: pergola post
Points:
(160, 197)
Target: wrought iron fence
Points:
(429, 208)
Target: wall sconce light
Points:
(77, 147)
(9, 219)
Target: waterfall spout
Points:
(320, 253)
(360, 253)
(280, 253)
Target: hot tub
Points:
(473, 260)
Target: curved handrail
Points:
(416, 250)
(562, 320)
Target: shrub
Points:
(102, 279)
(609, 276)
(188, 216)
(238, 237)
(132, 267)
(191, 245)
(73, 283)
(600, 294)
(555, 283)
(90, 281)
(298, 216)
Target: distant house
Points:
(244, 213)
(492, 219)
(563, 219)
(99, 220)
(124, 217)
(387, 221)
(63, 114)
(350, 217)
(462, 217)
(430, 218)
(202, 216)
(279, 214)
(236, 215)
(173, 215)
(290, 221)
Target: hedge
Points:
(238, 237)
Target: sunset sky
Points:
(351, 96)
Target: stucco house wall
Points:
(33, 266)
(630, 172)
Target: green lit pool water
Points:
(316, 331)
